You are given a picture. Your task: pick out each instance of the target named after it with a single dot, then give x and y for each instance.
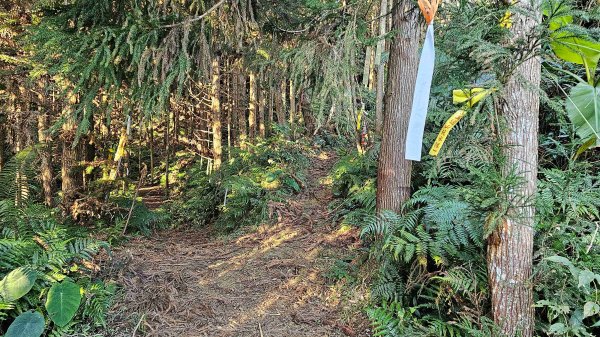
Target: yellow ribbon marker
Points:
(468, 96)
(441, 137)
(471, 96)
(506, 21)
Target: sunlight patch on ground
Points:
(326, 181)
(277, 239)
(323, 155)
(236, 262)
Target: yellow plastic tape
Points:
(441, 137)
(471, 96)
(506, 21)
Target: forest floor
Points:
(269, 281)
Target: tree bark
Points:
(151, 141)
(45, 156)
(252, 106)
(121, 149)
(68, 160)
(167, 155)
(380, 89)
(228, 107)
(241, 107)
(281, 103)
(2, 139)
(262, 130)
(510, 247)
(367, 67)
(269, 123)
(69, 182)
(372, 80)
(215, 108)
(394, 172)
(292, 103)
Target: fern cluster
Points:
(239, 193)
(53, 252)
(567, 272)
(354, 186)
(431, 265)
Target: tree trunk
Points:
(380, 89)
(69, 185)
(215, 109)
(121, 149)
(241, 107)
(151, 141)
(372, 80)
(2, 139)
(394, 172)
(228, 109)
(281, 103)
(252, 106)
(261, 112)
(292, 103)
(269, 123)
(167, 155)
(45, 156)
(367, 67)
(68, 160)
(510, 247)
(21, 136)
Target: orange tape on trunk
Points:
(429, 8)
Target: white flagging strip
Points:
(418, 114)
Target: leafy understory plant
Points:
(45, 277)
(574, 320)
(583, 100)
(62, 302)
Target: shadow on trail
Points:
(268, 282)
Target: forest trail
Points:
(152, 196)
(268, 282)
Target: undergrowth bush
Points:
(432, 278)
(567, 273)
(48, 279)
(238, 194)
(432, 268)
(354, 186)
(49, 283)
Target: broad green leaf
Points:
(565, 45)
(560, 17)
(28, 324)
(17, 284)
(583, 107)
(558, 328)
(62, 302)
(565, 262)
(576, 50)
(590, 309)
(586, 277)
(588, 144)
(558, 14)
(560, 21)
(293, 184)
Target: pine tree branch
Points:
(196, 18)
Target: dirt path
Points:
(267, 283)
